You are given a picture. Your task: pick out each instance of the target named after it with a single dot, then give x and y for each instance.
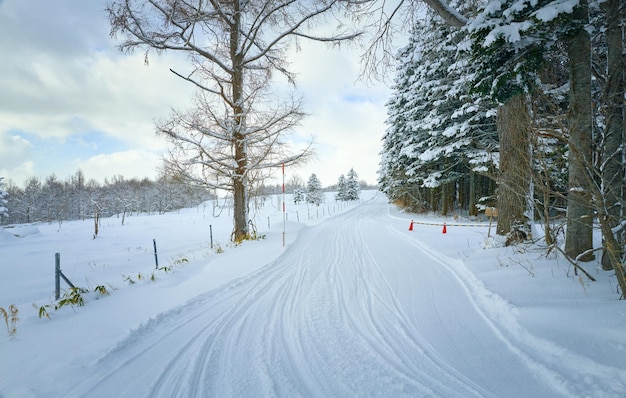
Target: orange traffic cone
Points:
(411, 226)
(444, 228)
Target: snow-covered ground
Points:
(354, 305)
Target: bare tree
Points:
(385, 20)
(233, 131)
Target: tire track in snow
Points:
(386, 298)
(540, 356)
(394, 339)
(187, 367)
(343, 312)
(471, 286)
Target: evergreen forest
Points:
(518, 106)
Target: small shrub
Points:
(102, 290)
(72, 297)
(254, 236)
(218, 249)
(10, 319)
(42, 310)
(181, 261)
(129, 280)
(166, 269)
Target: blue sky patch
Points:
(62, 154)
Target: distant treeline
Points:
(55, 200)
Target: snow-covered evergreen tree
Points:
(353, 187)
(3, 200)
(298, 196)
(314, 193)
(341, 188)
(510, 40)
(438, 133)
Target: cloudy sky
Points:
(70, 100)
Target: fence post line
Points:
(156, 257)
(57, 276)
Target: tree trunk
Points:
(240, 210)
(612, 166)
(612, 251)
(513, 122)
(96, 222)
(578, 239)
(240, 184)
(472, 210)
(447, 13)
(446, 189)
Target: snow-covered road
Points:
(354, 307)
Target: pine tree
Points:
(438, 133)
(314, 193)
(298, 196)
(353, 187)
(341, 188)
(394, 179)
(3, 201)
(510, 42)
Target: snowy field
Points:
(354, 305)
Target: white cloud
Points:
(119, 96)
(14, 154)
(346, 116)
(64, 79)
(13, 149)
(130, 164)
(19, 173)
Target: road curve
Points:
(352, 308)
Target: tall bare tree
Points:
(232, 132)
